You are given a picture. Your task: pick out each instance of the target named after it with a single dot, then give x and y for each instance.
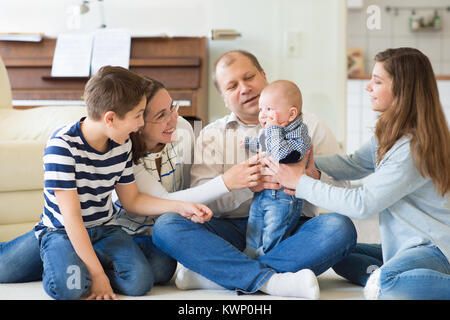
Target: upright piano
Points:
(181, 63)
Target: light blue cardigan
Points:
(411, 213)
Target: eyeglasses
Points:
(165, 116)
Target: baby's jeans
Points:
(273, 216)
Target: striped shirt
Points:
(285, 144)
(170, 176)
(170, 179)
(70, 163)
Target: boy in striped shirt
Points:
(83, 252)
(284, 136)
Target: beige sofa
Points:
(23, 134)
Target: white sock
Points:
(301, 284)
(187, 279)
(372, 288)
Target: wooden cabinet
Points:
(181, 63)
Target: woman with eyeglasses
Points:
(162, 156)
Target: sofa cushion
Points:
(23, 136)
(22, 141)
(36, 124)
(22, 166)
(19, 212)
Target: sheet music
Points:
(72, 56)
(19, 36)
(111, 47)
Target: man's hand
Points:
(243, 175)
(266, 179)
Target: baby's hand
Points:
(272, 119)
(242, 143)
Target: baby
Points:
(274, 215)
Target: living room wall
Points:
(303, 41)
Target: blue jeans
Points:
(214, 249)
(273, 216)
(20, 259)
(417, 273)
(66, 276)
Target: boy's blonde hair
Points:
(114, 89)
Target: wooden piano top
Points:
(180, 63)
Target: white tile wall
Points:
(395, 32)
(444, 92)
(400, 23)
(446, 67)
(446, 54)
(404, 41)
(430, 45)
(361, 119)
(444, 95)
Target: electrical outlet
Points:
(293, 43)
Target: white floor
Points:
(332, 287)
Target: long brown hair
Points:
(417, 112)
(139, 147)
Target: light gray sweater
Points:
(411, 213)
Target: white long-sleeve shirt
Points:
(218, 148)
(174, 181)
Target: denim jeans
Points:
(66, 276)
(20, 259)
(273, 216)
(162, 266)
(214, 249)
(421, 272)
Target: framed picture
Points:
(355, 62)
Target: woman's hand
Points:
(286, 174)
(243, 175)
(311, 169)
(195, 212)
(267, 181)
